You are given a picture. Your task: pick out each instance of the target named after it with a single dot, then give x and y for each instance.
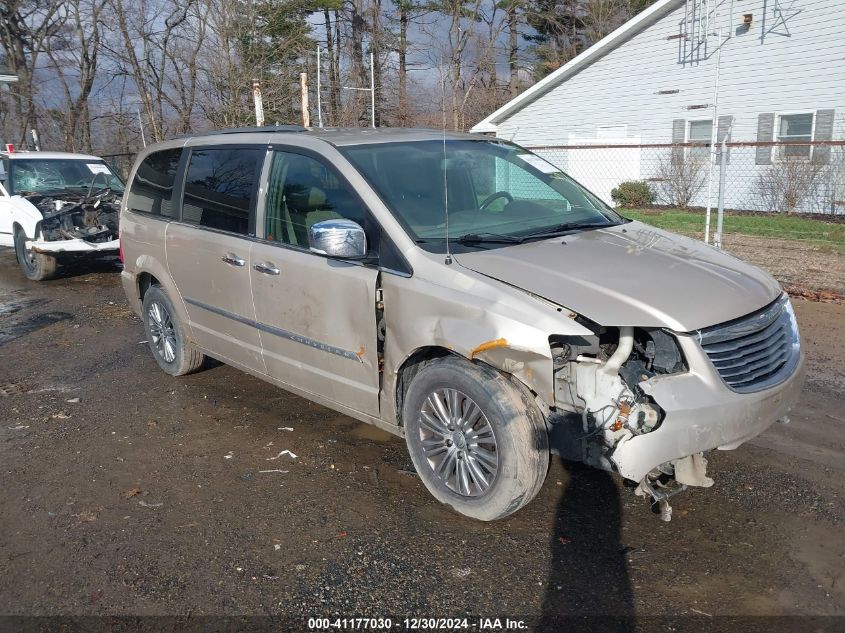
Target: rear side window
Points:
(220, 188)
(152, 188)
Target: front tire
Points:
(477, 440)
(36, 266)
(166, 335)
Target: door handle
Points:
(267, 269)
(233, 260)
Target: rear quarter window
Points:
(152, 187)
(220, 188)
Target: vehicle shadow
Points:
(588, 588)
(78, 266)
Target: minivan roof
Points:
(337, 135)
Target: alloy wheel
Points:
(162, 332)
(458, 442)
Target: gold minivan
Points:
(460, 292)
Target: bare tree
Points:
(147, 33)
(25, 25)
(73, 54)
(786, 183)
(679, 178)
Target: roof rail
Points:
(247, 130)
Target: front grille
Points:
(757, 351)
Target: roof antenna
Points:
(445, 177)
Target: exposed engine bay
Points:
(600, 404)
(69, 215)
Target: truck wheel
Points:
(477, 440)
(36, 266)
(166, 336)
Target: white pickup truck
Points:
(55, 203)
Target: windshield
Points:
(58, 175)
(496, 193)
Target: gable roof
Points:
(610, 42)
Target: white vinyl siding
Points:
(651, 84)
(645, 83)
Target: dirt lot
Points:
(793, 263)
(127, 492)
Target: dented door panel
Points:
(317, 324)
(215, 291)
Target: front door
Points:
(316, 316)
(208, 251)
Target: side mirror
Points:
(338, 238)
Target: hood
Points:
(632, 274)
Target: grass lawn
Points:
(826, 235)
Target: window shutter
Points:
(723, 133)
(823, 132)
(765, 133)
(679, 135)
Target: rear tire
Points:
(166, 335)
(478, 441)
(36, 266)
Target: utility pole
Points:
(303, 86)
(372, 92)
(720, 213)
(259, 103)
(714, 128)
(319, 89)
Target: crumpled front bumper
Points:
(702, 413)
(73, 246)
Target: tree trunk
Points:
(403, 64)
(513, 47)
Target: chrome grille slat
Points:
(751, 355)
(751, 369)
(738, 343)
(757, 351)
(751, 350)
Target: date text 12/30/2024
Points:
(417, 624)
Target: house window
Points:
(700, 132)
(795, 127)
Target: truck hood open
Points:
(632, 274)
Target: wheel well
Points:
(410, 368)
(145, 280)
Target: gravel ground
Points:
(126, 492)
(791, 262)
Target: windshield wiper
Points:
(489, 238)
(563, 229)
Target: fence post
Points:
(720, 213)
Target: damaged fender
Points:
(500, 326)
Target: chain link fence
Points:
(760, 177)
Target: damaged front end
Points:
(92, 219)
(601, 405)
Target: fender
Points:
(25, 215)
(477, 318)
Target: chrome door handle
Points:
(267, 269)
(233, 259)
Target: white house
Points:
(768, 71)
